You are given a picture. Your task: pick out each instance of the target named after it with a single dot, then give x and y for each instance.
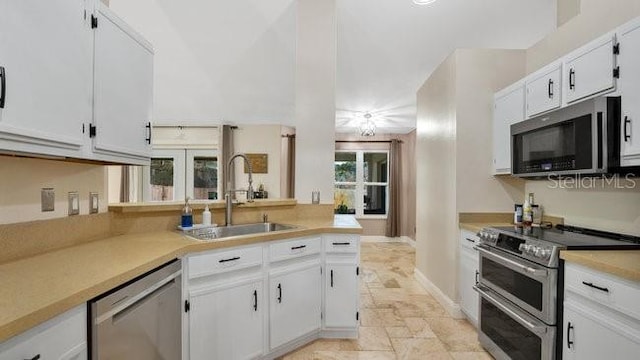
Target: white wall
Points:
(315, 107)
(595, 18)
(219, 61)
(454, 155)
(21, 180)
(262, 139)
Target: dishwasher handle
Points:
(136, 301)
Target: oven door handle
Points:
(513, 264)
(536, 329)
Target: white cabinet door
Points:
(295, 301)
(122, 92)
(543, 90)
(46, 55)
(629, 86)
(589, 70)
(508, 110)
(341, 295)
(227, 322)
(467, 280)
(591, 335)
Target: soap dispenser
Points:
(206, 216)
(187, 215)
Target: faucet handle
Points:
(265, 218)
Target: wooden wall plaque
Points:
(259, 163)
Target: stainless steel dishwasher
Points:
(139, 320)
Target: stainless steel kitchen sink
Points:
(221, 232)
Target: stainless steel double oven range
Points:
(521, 284)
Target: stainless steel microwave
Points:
(581, 139)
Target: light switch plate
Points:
(47, 199)
(74, 203)
(93, 203)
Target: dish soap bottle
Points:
(187, 215)
(527, 211)
(206, 216)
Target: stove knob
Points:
(537, 252)
(546, 254)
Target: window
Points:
(361, 183)
(176, 173)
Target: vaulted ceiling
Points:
(233, 61)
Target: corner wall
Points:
(454, 130)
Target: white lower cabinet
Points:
(341, 284)
(599, 320)
(295, 302)
(468, 275)
(262, 301)
(61, 338)
(227, 321)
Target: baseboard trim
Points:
(452, 308)
(385, 239)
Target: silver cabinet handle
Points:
(537, 329)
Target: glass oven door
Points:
(507, 332)
(528, 285)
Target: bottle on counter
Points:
(527, 211)
(517, 214)
(206, 216)
(187, 215)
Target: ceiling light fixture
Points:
(367, 127)
(423, 2)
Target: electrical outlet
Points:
(47, 199)
(93, 203)
(74, 203)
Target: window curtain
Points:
(125, 184)
(395, 171)
(291, 167)
(225, 155)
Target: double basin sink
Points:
(221, 232)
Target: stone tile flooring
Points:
(398, 318)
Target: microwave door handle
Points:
(536, 329)
(513, 264)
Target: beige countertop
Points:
(622, 263)
(37, 288)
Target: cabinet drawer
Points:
(295, 248)
(341, 243)
(224, 261)
(63, 337)
(613, 292)
(468, 239)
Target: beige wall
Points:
(259, 139)
(453, 147)
(21, 180)
(567, 10)
(596, 18)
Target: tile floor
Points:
(398, 318)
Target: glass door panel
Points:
(202, 174)
(164, 178)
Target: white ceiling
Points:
(388, 48)
(233, 61)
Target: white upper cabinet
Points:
(508, 109)
(543, 90)
(629, 88)
(589, 70)
(123, 90)
(46, 58)
(75, 82)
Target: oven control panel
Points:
(537, 251)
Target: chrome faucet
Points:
(230, 191)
